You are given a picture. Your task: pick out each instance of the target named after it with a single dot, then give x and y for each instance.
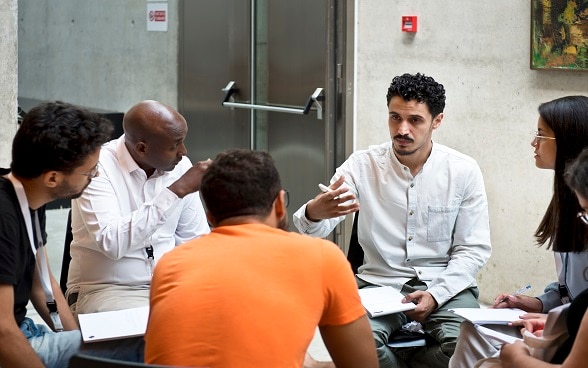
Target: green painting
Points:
(559, 34)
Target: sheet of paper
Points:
(483, 316)
(497, 337)
(382, 300)
(114, 325)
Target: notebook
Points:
(382, 300)
(489, 316)
(113, 325)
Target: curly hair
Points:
(240, 182)
(57, 136)
(418, 87)
(559, 228)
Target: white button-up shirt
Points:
(121, 213)
(433, 226)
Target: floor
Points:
(56, 221)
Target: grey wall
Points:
(99, 54)
(96, 53)
(480, 51)
(8, 70)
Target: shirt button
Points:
(411, 212)
(410, 238)
(408, 260)
(412, 185)
(420, 272)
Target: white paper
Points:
(495, 316)
(497, 337)
(114, 325)
(382, 300)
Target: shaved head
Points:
(154, 135)
(149, 119)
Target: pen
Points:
(324, 188)
(518, 292)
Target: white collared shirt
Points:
(121, 213)
(433, 226)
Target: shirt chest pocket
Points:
(441, 222)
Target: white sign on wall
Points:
(157, 16)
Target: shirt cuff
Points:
(166, 200)
(550, 300)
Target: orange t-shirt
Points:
(247, 296)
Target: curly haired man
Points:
(423, 227)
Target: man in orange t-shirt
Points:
(250, 294)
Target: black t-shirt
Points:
(17, 261)
(576, 312)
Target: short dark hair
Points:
(240, 182)
(576, 174)
(418, 87)
(57, 136)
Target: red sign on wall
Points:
(157, 15)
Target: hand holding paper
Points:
(382, 300)
(425, 305)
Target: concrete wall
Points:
(480, 51)
(96, 53)
(8, 71)
(99, 54)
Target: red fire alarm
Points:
(409, 23)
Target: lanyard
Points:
(43, 261)
(150, 259)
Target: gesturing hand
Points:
(337, 202)
(191, 180)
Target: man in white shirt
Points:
(423, 227)
(144, 202)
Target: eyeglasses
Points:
(286, 197)
(92, 173)
(537, 138)
(582, 215)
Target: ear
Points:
(210, 219)
(280, 205)
(437, 120)
(52, 179)
(141, 147)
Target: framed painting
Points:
(559, 34)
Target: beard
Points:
(66, 191)
(283, 224)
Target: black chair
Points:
(355, 256)
(87, 361)
(66, 259)
(355, 251)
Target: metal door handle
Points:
(314, 99)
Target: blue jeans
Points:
(55, 349)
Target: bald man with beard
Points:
(143, 203)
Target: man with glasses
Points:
(251, 294)
(143, 202)
(54, 155)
